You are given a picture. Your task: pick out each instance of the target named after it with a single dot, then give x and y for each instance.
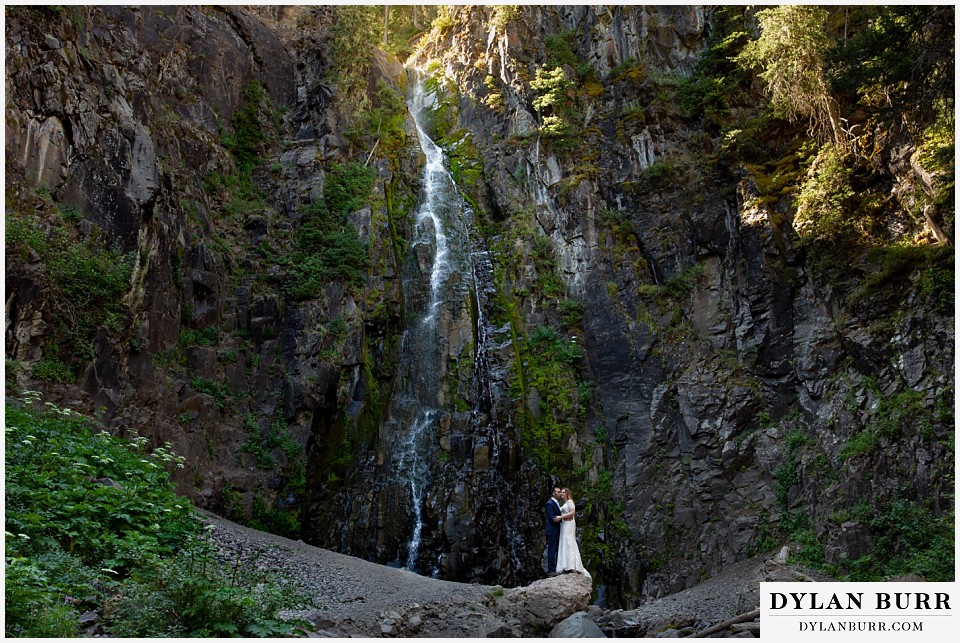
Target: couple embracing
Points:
(563, 554)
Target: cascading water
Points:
(436, 288)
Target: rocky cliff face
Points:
(125, 142)
(639, 324)
(736, 395)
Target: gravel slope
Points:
(350, 595)
(354, 597)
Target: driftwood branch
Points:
(371, 153)
(719, 627)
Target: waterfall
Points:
(437, 288)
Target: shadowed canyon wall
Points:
(214, 240)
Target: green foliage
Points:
(351, 53)
(328, 247)
(790, 52)
(716, 83)
(551, 87)
(680, 284)
(219, 392)
(545, 342)
(503, 14)
(275, 520)
(263, 444)
(571, 311)
(547, 369)
(796, 439)
(896, 60)
(937, 285)
(194, 595)
(382, 122)
(785, 477)
(92, 523)
(348, 188)
(248, 137)
(661, 171)
(406, 23)
(209, 336)
(87, 281)
(561, 50)
(12, 371)
(35, 604)
(825, 202)
(895, 268)
(50, 369)
(444, 20)
(907, 537)
(861, 443)
(553, 102)
(55, 468)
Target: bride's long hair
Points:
(569, 495)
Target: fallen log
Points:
(713, 629)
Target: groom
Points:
(552, 509)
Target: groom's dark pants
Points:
(553, 546)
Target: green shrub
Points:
(219, 392)
(92, 523)
(561, 50)
(907, 537)
(57, 470)
(328, 247)
(552, 103)
(209, 336)
(87, 281)
(246, 141)
(194, 595)
(50, 369)
(785, 477)
(863, 442)
(571, 310)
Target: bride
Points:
(568, 558)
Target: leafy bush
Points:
(248, 136)
(561, 50)
(571, 310)
(193, 594)
(81, 508)
(383, 122)
(50, 369)
(907, 536)
(100, 498)
(87, 281)
(209, 336)
(552, 102)
(92, 523)
(328, 247)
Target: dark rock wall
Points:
(120, 114)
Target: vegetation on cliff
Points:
(832, 124)
(92, 524)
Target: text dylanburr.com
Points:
(867, 610)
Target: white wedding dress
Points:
(568, 557)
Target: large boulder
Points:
(577, 626)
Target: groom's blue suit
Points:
(552, 509)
